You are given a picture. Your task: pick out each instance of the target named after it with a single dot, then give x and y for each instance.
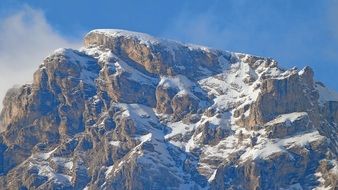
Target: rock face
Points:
(130, 111)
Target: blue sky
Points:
(295, 33)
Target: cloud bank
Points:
(26, 39)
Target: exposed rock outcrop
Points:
(130, 111)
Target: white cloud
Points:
(26, 39)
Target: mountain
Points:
(131, 111)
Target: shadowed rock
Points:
(130, 111)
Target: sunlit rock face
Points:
(131, 111)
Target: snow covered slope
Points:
(131, 111)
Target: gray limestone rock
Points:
(130, 111)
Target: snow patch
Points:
(115, 33)
(112, 62)
(82, 61)
(45, 156)
(267, 147)
(108, 171)
(115, 143)
(212, 177)
(290, 117)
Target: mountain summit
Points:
(131, 111)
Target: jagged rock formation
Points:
(129, 111)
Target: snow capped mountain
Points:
(131, 111)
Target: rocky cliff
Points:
(130, 111)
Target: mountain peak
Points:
(99, 36)
(119, 33)
(131, 111)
